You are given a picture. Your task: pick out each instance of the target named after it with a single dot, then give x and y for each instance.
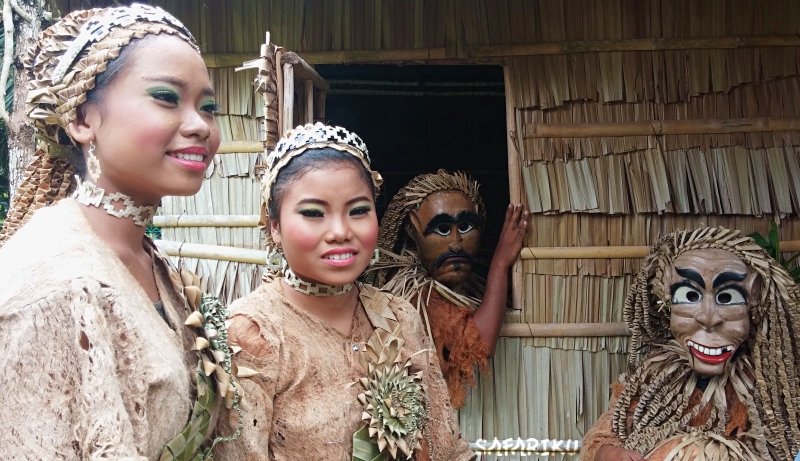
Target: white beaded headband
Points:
(315, 136)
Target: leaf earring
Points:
(375, 258)
(92, 163)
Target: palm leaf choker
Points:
(314, 289)
(90, 195)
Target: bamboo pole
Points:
(206, 221)
(563, 330)
(288, 98)
(308, 86)
(219, 253)
(304, 71)
(660, 127)
(534, 49)
(515, 191)
(239, 147)
(611, 252)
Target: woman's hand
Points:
(612, 453)
(510, 243)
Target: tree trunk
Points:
(21, 144)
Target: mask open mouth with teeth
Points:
(711, 293)
(710, 354)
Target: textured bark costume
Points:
(713, 371)
(106, 372)
(302, 404)
(317, 393)
(436, 279)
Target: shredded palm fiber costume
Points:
(749, 411)
(447, 313)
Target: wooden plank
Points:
(661, 127)
(304, 71)
(552, 48)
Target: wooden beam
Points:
(515, 191)
(611, 252)
(206, 221)
(563, 330)
(533, 49)
(219, 253)
(642, 44)
(308, 89)
(304, 71)
(660, 127)
(362, 56)
(319, 106)
(236, 147)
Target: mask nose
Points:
(456, 241)
(708, 316)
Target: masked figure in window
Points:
(431, 264)
(713, 371)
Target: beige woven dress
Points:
(90, 370)
(299, 406)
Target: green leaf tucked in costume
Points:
(188, 445)
(364, 449)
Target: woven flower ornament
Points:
(393, 400)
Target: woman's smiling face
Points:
(327, 226)
(153, 125)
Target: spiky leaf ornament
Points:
(393, 402)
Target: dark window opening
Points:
(417, 119)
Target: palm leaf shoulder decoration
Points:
(393, 399)
(216, 374)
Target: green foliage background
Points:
(4, 135)
(771, 243)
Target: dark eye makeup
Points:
(360, 210)
(165, 94)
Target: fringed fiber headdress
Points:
(774, 409)
(62, 68)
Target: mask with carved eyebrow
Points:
(711, 293)
(446, 231)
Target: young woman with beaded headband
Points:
(341, 370)
(714, 369)
(94, 344)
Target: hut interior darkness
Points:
(621, 120)
(417, 119)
